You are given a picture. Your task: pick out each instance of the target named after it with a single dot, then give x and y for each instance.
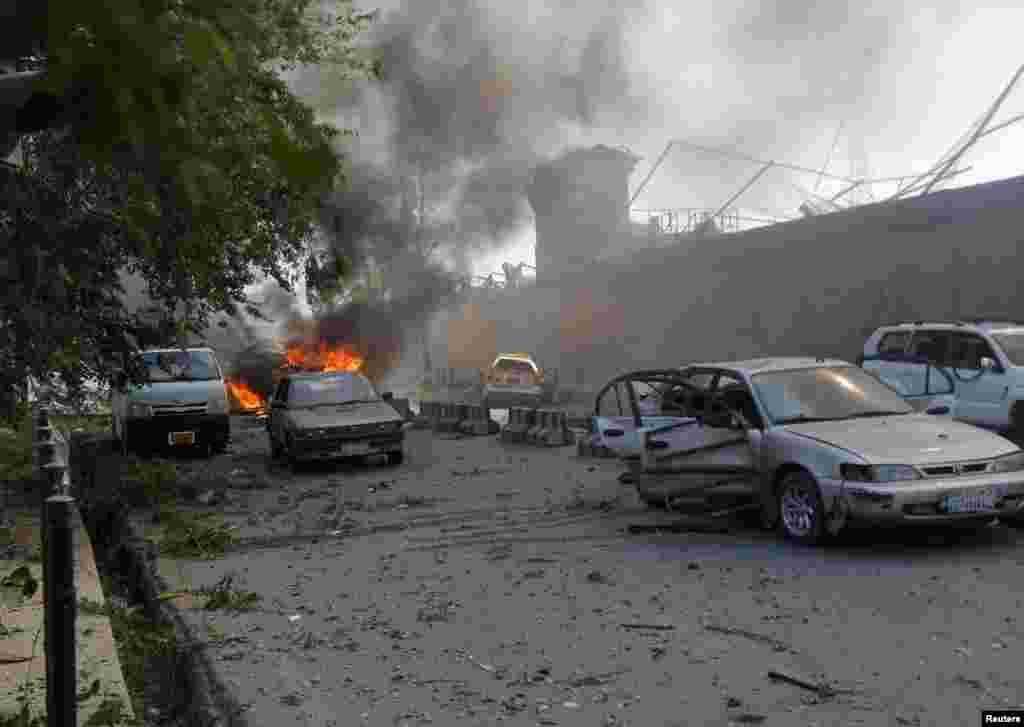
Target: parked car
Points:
(818, 443)
(514, 379)
(318, 416)
(984, 362)
(184, 403)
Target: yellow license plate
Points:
(182, 439)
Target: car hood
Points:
(907, 439)
(375, 412)
(171, 392)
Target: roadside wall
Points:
(814, 286)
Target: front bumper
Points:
(926, 501)
(312, 449)
(153, 432)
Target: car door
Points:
(641, 399)
(718, 447)
(616, 418)
(981, 394)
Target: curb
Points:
(209, 702)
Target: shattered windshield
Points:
(825, 394)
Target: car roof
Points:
(992, 326)
(517, 356)
(318, 375)
(749, 367)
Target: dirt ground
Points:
(483, 582)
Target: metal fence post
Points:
(61, 614)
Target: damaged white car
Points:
(816, 443)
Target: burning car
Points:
(333, 415)
(817, 443)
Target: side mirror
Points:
(938, 409)
(387, 396)
(987, 364)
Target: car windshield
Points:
(180, 366)
(512, 365)
(825, 394)
(331, 390)
(1012, 345)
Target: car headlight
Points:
(878, 472)
(1009, 463)
(140, 410)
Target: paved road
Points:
(493, 582)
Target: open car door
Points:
(924, 386)
(642, 400)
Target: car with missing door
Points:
(983, 361)
(816, 443)
(328, 416)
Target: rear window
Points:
(894, 342)
(513, 366)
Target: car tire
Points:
(395, 458)
(801, 509)
(275, 449)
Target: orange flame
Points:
(247, 399)
(328, 359)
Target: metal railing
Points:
(51, 463)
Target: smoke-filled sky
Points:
(477, 90)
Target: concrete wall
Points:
(813, 286)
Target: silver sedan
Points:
(816, 442)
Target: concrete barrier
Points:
(448, 421)
(428, 415)
(540, 420)
(462, 412)
(480, 423)
(556, 433)
(519, 422)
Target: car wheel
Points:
(396, 458)
(801, 510)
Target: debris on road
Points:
(752, 635)
(821, 689)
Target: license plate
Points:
(980, 502)
(181, 439)
(355, 448)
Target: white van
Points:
(184, 403)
